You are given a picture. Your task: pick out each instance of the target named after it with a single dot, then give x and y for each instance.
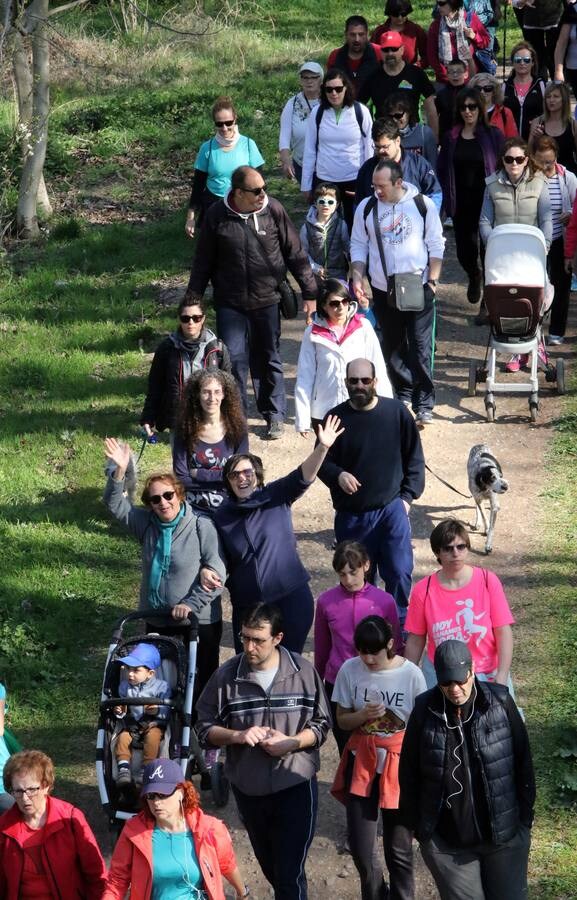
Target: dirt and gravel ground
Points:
(459, 423)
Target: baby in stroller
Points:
(142, 724)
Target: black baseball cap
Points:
(453, 662)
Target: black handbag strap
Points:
(379, 240)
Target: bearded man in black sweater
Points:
(374, 471)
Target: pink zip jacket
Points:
(337, 615)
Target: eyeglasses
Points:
(514, 159)
(187, 319)
(18, 793)
(155, 796)
(255, 191)
(326, 201)
(397, 116)
(448, 684)
(523, 59)
(258, 642)
(449, 547)
(156, 498)
(486, 88)
(470, 107)
(443, 3)
(335, 89)
(334, 304)
(241, 473)
(353, 380)
(226, 123)
(390, 49)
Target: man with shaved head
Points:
(374, 472)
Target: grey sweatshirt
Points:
(195, 543)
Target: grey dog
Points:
(485, 482)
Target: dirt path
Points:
(459, 423)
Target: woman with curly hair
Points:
(211, 427)
(171, 848)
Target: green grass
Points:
(75, 309)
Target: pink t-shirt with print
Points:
(468, 614)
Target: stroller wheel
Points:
(560, 373)
(472, 387)
(533, 407)
(219, 784)
(490, 411)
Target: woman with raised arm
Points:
(256, 531)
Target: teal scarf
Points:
(161, 559)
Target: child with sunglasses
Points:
(325, 236)
(460, 602)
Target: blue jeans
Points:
(386, 533)
(253, 340)
(281, 827)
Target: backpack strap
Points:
(358, 107)
(318, 117)
(422, 207)
(359, 115)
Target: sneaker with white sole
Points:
(517, 362)
(555, 339)
(123, 777)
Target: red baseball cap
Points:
(391, 39)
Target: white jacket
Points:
(322, 364)
(342, 147)
(407, 244)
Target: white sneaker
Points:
(555, 339)
(448, 223)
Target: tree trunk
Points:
(37, 129)
(23, 82)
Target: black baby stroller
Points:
(515, 296)
(177, 668)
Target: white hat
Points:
(313, 67)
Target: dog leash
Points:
(446, 483)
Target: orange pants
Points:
(150, 741)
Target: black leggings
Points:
(362, 822)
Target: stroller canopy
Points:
(516, 254)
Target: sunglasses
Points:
(255, 191)
(154, 796)
(335, 89)
(187, 319)
(471, 107)
(241, 473)
(448, 684)
(390, 49)
(487, 88)
(514, 159)
(365, 380)
(227, 123)
(443, 3)
(398, 116)
(335, 304)
(326, 201)
(156, 498)
(523, 59)
(448, 547)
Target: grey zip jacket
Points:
(296, 700)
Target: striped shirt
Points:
(556, 201)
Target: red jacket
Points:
(502, 118)
(131, 864)
(481, 41)
(70, 854)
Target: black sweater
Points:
(381, 447)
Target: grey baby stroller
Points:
(178, 653)
(515, 295)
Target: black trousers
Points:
(281, 827)
(408, 341)
(482, 872)
(561, 281)
(362, 822)
(466, 231)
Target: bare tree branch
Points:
(65, 6)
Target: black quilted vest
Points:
(493, 745)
